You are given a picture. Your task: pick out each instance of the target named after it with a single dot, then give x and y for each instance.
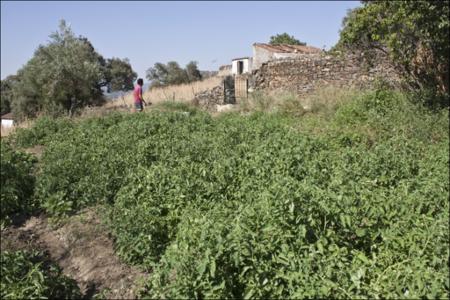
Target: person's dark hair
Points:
(140, 81)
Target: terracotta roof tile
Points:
(285, 48)
(8, 116)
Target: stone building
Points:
(7, 120)
(241, 65)
(262, 53)
(297, 69)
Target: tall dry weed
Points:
(181, 93)
(323, 100)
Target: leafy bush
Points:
(267, 206)
(320, 218)
(176, 106)
(42, 132)
(28, 275)
(414, 35)
(17, 183)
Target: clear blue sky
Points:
(211, 33)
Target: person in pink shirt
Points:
(138, 100)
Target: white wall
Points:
(7, 123)
(260, 56)
(247, 66)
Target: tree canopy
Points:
(171, 73)
(7, 93)
(63, 76)
(120, 74)
(415, 35)
(285, 38)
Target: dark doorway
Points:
(240, 67)
(228, 89)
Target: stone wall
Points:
(210, 98)
(224, 71)
(305, 73)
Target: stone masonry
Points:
(304, 74)
(210, 98)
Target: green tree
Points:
(120, 74)
(176, 74)
(285, 38)
(157, 74)
(60, 78)
(193, 72)
(171, 73)
(415, 35)
(7, 93)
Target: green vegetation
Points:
(55, 83)
(6, 93)
(17, 184)
(120, 75)
(172, 73)
(285, 38)
(414, 34)
(348, 202)
(28, 275)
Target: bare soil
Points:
(83, 248)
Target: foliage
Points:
(17, 183)
(286, 103)
(28, 275)
(172, 73)
(60, 78)
(266, 206)
(208, 74)
(176, 106)
(120, 75)
(285, 38)
(414, 33)
(6, 93)
(44, 130)
(193, 72)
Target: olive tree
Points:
(61, 77)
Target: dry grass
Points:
(181, 93)
(326, 99)
(323, 100)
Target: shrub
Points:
(42, 131)
(17, 183)
(236, 207)
(28, 275)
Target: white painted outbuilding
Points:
(241, 65)
(7, 120)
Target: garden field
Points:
(347, 201)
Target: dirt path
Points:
(83, 249)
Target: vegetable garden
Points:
(352, 204)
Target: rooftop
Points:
(8, 116)
(240, 58)
(285, 48)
